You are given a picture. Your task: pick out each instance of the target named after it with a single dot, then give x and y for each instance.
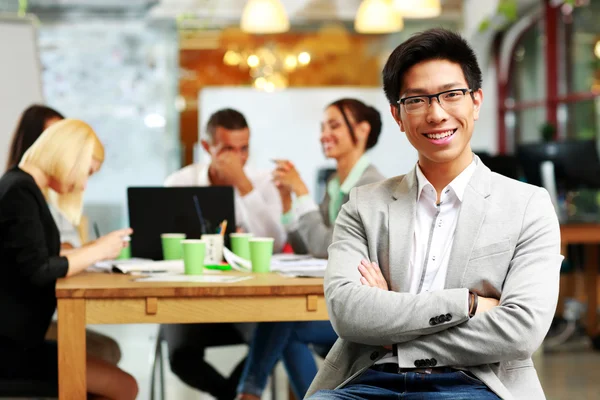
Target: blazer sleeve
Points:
(514, 329)
(315, 234)
(24, 240)
(373, 316)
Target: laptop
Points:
(189, 210)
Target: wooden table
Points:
(96, 298)
(586, 234)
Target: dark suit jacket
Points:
(29, 260)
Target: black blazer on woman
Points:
(29, 261)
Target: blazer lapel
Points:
(401, 231)
(470, 218)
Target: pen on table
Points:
(96, 230)
(223, 227)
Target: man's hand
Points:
(286, 197)
(371, 275)
(485, 304)
(287, 175)
(230, 171)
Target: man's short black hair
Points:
(433, 44)
(227, 118)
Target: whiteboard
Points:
(20, 75)
(286, 124)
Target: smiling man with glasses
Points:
(441, 283)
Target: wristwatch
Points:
(473, 299)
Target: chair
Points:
(502, 164)
(28, 389)
(158, 360)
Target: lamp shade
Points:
(377, 16)
(264, 16)
(418, 8)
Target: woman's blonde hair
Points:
(64, 152)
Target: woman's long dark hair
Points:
(30, 127)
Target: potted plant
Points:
(548, 132)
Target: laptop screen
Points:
(190, 210)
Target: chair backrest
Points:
(506, 165)
(24, 388)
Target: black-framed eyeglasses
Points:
(446, 99)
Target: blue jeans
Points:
(376, 385)
(288, 341)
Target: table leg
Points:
(71, 350)
(591, 288)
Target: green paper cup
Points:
(240, 245)
(261, 250)
(193, 256)
(171, 245)
(125, 253)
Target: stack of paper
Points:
(140, 265)
(238, 263)
(282, 262)
(298, 265)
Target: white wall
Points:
(114, 74)
(20, 78)
(286, 124)
(485, 136)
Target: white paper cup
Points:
(214, 249)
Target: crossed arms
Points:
(364, 312)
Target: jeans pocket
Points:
(469, 378)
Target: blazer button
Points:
(418, 363)
(433, 362)
(374, 355)
(432, 321)
(448, 317)
(442, 318)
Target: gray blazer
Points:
(506, 246)
(314, 232)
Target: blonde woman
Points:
(53, 170)
(35, 120)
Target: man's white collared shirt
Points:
(258, 212)
(435, 224)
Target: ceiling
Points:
(298, 10)
(214, 12)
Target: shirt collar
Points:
(203, 178)
(355, 174)
(334, 188)
(458, 184)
